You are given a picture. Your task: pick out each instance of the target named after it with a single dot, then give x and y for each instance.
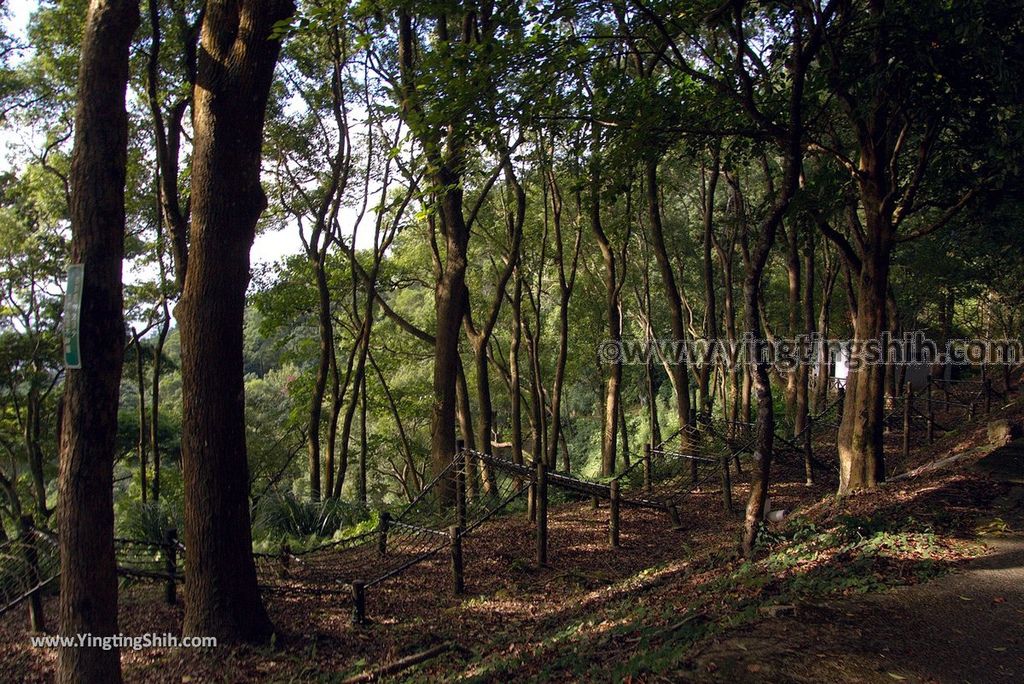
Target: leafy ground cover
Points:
(659, 608)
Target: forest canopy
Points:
(466, 203)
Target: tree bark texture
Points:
(236, 66)
(88, 579)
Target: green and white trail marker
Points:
(73, 316)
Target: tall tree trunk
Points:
(790, 143)
(624, 433)
(449, 308)
(677, 364)
(876, 113)
(167, 129)
(654, 425)
(803, 370)
(33, 449)
(337, 403)
(364, 446)
(449, 289)
(140, 381)
(612, 394)
(710, 301)
(411, 488)
(765, 430)
(515, 389)
(726, 250)
(537, 413)
(464, 415)
(480, 338)
(729, 304)
(860, 433)
(533, 342)
(823, 365)
(792, 239)
(167, 134)
(566, 283)
(316, 401)
(154, 413)
(485, 414)
(339, 391)
(88, 578)
(236, 66)
(363, 346)
(158, 352)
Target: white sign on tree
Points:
(73, 316)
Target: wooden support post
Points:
(840, 410)
(986, 385)
(908, 403)
(460, 481)
(171, 566)
(531, 499)
(931, 411)
(36, 619)
(283, 559)
(647, 468)
(613, 518)
(726, 484)
(542, 513)
(673, 515)
(358, 602)
(458, 578)
(808, 455)
(383, 525)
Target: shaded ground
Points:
(964, 627)
(669, 605)
(510, 603)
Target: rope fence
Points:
(695, 461)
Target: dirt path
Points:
(963, 627)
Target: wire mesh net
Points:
(468, 491)
(141, 560)
(27, 563)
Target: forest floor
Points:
(919, 581)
